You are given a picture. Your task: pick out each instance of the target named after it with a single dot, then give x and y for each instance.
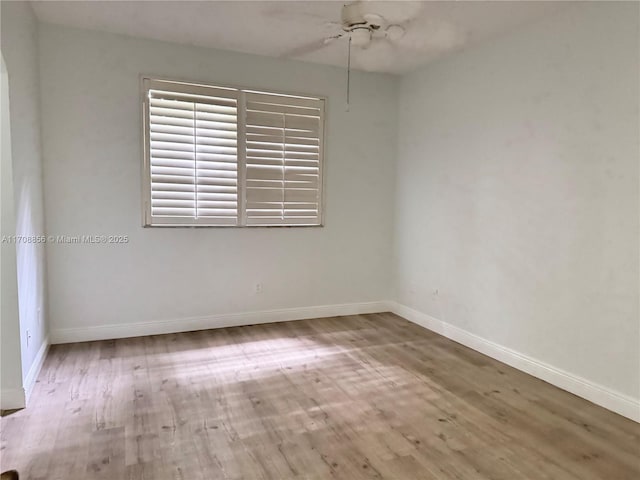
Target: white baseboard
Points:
(622, 404)
(107, 332)
(34, 371)
(12, 398)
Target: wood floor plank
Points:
(357, 397)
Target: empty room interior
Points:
(308, 240)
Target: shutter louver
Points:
(193, 154)
(229, 157)
(283, 159)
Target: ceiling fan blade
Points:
(391, 11)
(375, 19)
(289, 15)
(307, 48)
(333, 28)
(378, 56)
(430, 36)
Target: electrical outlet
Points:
(258, 287)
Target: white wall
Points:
(11, 391)
(517, 193)
(92, 138)
(20, 52)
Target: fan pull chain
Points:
(348, 72)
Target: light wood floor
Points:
(360, 397)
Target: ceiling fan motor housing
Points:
(352, 15)
(362, 26)
(358, 25)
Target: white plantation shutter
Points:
(284, 148)
(223, 156)
(192, 154)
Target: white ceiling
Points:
(278, 28)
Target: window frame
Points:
(148, 221)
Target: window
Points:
(229, 157)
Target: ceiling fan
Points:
(365, 24)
